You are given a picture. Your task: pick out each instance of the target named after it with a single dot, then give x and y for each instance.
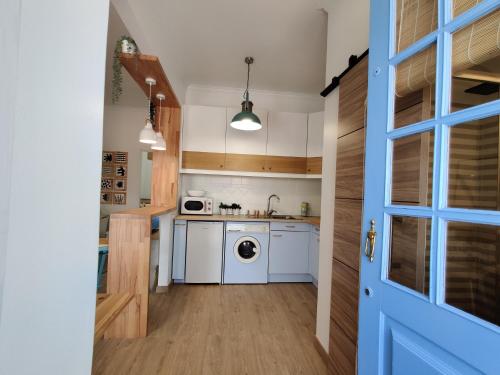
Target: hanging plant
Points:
(123, 45)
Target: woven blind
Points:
(472, 45)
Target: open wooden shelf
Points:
(142, 66)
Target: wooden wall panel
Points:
(350, 163)
(165, 171)
(203, 160)
(342, 351)
(314, 165)
(352, 96)
(344, 309)
(347, 231)
(128, 272)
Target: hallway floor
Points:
(229, 329)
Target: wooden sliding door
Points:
(412, 168)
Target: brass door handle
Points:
(370, 241)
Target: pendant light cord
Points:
(245, 95)
(149, 101)
(159, 120)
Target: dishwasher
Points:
(204, 252)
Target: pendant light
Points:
(246, 119)
(148, 135)
(160, 144)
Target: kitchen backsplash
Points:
(252, 192)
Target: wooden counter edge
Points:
(313, 220)
(145, 211)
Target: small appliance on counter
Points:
(197, 206)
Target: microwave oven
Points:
(196, 206)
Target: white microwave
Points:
(196, 206)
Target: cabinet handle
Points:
(277, 235)
(289, 226)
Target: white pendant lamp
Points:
(147, 135)
(160, 144)
(246, 119)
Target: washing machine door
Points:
(247, 249)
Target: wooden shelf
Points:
(142, 66)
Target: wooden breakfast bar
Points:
(130, 230)
(128, 268)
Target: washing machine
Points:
(246, 255)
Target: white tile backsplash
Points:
(252, 192)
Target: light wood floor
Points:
(229, 329)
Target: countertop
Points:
(314, 220)
(146, 211)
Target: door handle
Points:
(370, 241)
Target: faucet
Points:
(269, 211)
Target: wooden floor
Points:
(229, 329)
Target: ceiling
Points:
(205, 42)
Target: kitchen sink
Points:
(284, 217)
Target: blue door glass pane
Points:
(472, 269)
(475, 63)
(473, 165)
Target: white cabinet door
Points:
(288, 252)
(179, 257)
(287, 134)
(314, 255)
(204, 129)
(246, 142)
(204, 252)
(315, 126)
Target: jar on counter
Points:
(304, 208)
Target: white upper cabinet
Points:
(204, 129)
(287, 134)
(315, 134)
(246, 142)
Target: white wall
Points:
(252, 192)
(49, 286)
(348, 24)
(9, 45)
(121, 133)
(268, 100)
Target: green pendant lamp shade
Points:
(246, 119)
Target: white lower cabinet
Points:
(293, 252)
(314, 253)
(204, 246)
(289, 256)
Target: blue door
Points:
(430, 268)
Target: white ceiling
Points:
(205, 42)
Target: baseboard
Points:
(290, 278)
(327, 360)
(164, 289)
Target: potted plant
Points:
(123, 45)
(223, 209)
(236, 208)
